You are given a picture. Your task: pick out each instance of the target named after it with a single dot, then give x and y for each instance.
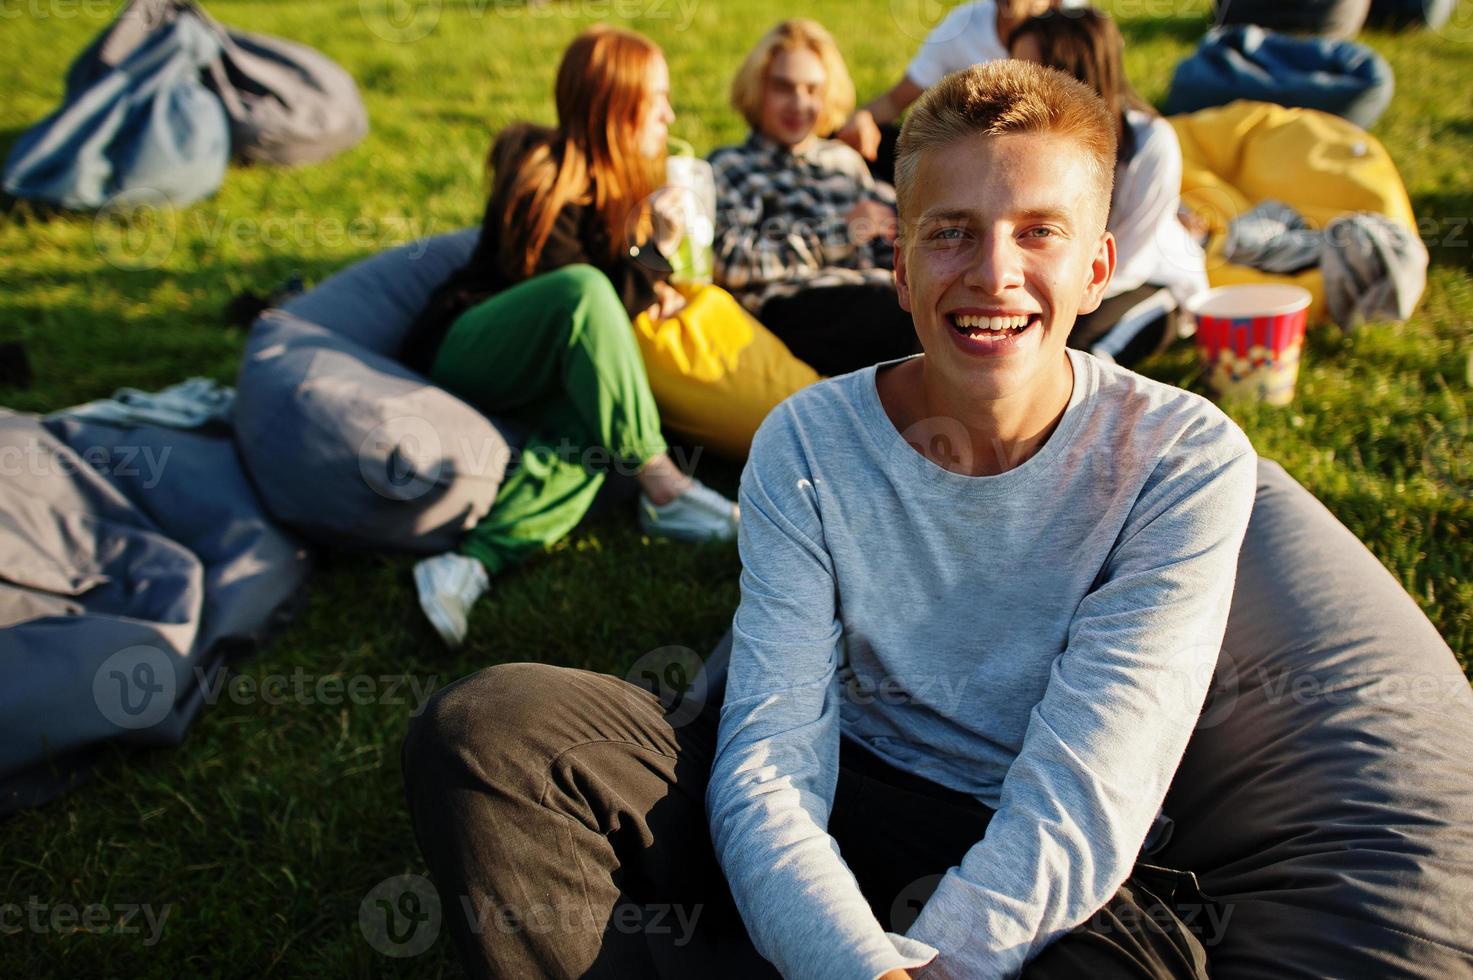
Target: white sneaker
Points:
(449, 585)
(698, 514)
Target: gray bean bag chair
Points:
(1398, 14)
(287, 104)
(1326, 799)
(344, 442)
(133, 562)
(1248, 62)
(1326, 18)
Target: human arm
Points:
(776, 767)
(949, 46)
(1102, 745)
(862, 129)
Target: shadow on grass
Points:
(1445, 222)
(82, 349)
(1455, 129)
(8, 139)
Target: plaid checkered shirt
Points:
(780, 219)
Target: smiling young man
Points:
(1030, 550)
(983, 591)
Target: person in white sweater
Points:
(1160, 264)
(970, 34)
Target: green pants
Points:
(555, 354)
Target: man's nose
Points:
(996, 266)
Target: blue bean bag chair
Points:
(1431, 14)
(1324, 799)
(135, 562)
(147, 132)
(1248, 62)
(346, 444)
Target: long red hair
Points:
(592, 158)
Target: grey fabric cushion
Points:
(1325, 797)
(1324, 800)
(132, 560)
(286, 103)
(355, 449)
(375, 301)
(193, 488)
(1327, 18)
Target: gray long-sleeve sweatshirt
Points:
(1042, 639)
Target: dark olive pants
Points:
(561, 813)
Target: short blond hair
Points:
(1002, 98)
(751, 77)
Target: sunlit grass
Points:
(265, 830)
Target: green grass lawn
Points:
(261, 836)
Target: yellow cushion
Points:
(715, 371)
(1237, 156)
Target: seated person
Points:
(535, 328)
(1159, 265)
(972, 34)
(804, 235)
(983, 593)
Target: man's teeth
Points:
(970, 322)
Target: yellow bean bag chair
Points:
(1237, 156)
(715, 371)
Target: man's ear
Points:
(902, 274)
(1101, 270)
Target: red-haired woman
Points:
(535, 328)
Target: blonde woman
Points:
(805, 236)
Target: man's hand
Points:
(863, 133)
(870, 219)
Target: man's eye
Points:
(948, 234)
(1041, 232)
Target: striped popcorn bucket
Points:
(1250, 339)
